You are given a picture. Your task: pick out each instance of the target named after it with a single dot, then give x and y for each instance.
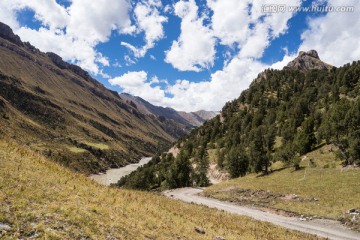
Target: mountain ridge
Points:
(190, 120)
(58, 109)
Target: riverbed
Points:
(113, 175)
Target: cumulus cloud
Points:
(137, 83)
(336, 35)
(150, 21)
(240, 28)
(71, 50)
(253, 30)
(225, 14)
(224, 85)
(73, 33)
(93, 21)
(195, 48)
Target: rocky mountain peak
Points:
(306, 61)
(311, 53)
(7, 33)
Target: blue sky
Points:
(185, 54)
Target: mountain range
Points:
(59, 110)
(189, 120)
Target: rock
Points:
(58, 61)
(352, 210)
(199, 230)
(5, 227)
(313, 200)
(219, 238)
(7, 33)
(306, 61)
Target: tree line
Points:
(281, 116)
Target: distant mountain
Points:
(59, 110)
(284, 114)
(189, 120)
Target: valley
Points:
(281, 160)
(43, 200)
(59, 110)
(112, 176)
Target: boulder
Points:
(5, 227)
(199, 230)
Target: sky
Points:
(186, 54)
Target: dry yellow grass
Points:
(337, 189)
(97, 145)
(76, 150)
(39, 198)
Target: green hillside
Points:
(321, 188)
(282, 115)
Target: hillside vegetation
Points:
(282, 115)
(321, 188)
(43, 200)
(59, 110)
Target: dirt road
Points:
(324, 228)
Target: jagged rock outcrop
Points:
(58, 61)
(7, 33)
(306, 61)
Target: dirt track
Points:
(323, 228)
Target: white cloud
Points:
(137, 83)
(70, 49)
(336, 35)
(195, 48)
(239, 26)
(103, 60)
(150, 21)
(230, 20)
(282, 63)
(129, 61)
(256, 43)
(8, 10)
(130, 80)
(73, 33)
(167, 9)
(224, 85)
(253, 30)
(92, 21)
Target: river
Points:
(113, 175)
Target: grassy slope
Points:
(40, 198)
(44, 107)
(336, 188)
